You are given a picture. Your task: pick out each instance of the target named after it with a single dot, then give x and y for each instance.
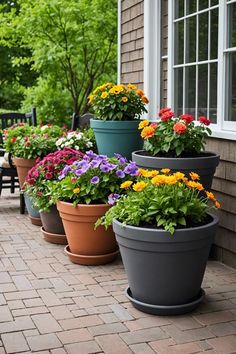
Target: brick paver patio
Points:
(49, 305)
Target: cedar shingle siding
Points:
(132, 42)
(224, 185)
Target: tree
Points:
(73, 43)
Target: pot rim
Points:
(212, 155)
(84, 205)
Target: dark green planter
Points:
(121, 137)
(165, 272)
(205, 165)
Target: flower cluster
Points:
(162, 199)
(118, 102)
(174, 137)
(45, 173)
(75, 140)
(31, 142)
(94, 179)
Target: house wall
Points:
(224, 184)
(132, 42)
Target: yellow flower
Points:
(91, 98)
(126, 184)
(180, 176)
(124, 99)
(170, 179)
(132, 87)
(116, 89)
(143, 123)
(165, 170)
(160, 179)
(76, 190)
(104, 95)
(139, 186)
(194, 176)
(210, 195)
(153, 173)
(217, 204)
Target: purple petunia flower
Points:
(95, 163)
(120, 173)
(91, 154)
(122, 159)
(78, 172)
(131, 169)
(95, 180)
(104, 167)
(112, 198)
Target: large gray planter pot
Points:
(205, 165)
(165, 272)
(121, 137)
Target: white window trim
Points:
(223, 129)
(152, 59)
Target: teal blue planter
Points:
(122, 137)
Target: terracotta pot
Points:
(86, 245)
(23, 166)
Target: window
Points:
(202, 60)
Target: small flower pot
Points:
(204, 165)
(121, 137)
(165, 272)
(32, 211)
(85, 245)
(52, 229)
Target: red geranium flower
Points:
(13, 139)
(188, 118)
(204, 120)
(167, 115)
(164, 110)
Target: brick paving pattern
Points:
(50, 305)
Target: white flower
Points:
(89, 144)
(67, 143)
(44, 127)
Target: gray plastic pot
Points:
(32, 211)
(165, 272)
(205, 165)
(52, 222)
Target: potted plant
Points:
(177, 143)
(27, 144)
(38, 188)
(85, 192)
(164, 231)
(117, 109)
(77, 140)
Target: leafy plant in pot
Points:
(164, 230)
(27, 144)
(38, 186)
(85, 192)
(117, 109)
(177, 143)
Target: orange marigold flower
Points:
(140, 93)
(180, 128)
(153, 125)
(126, 184)
(196, 185)
(104, 95)
(194, 176)
(165, 170)
(143, 123)
(217, 204)
(147, 132)
(210, 195)
(124, 99)
(180, 176)
(145, 99)
(139, 186)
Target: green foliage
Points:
(166, 201)
(118, 102)
(72, 44)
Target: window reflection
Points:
(190, 89)
(231, 87)
(191, 39)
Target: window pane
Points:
(231, 87)
(191, 39)
(179, 42)
(190, 89)
(214, 2)
(213, 93)
(191, 6)
(203, 37)
(202, 89)
(179, 8)
(203, 4)
(232, 25)
(178, 106)
(214, 34)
